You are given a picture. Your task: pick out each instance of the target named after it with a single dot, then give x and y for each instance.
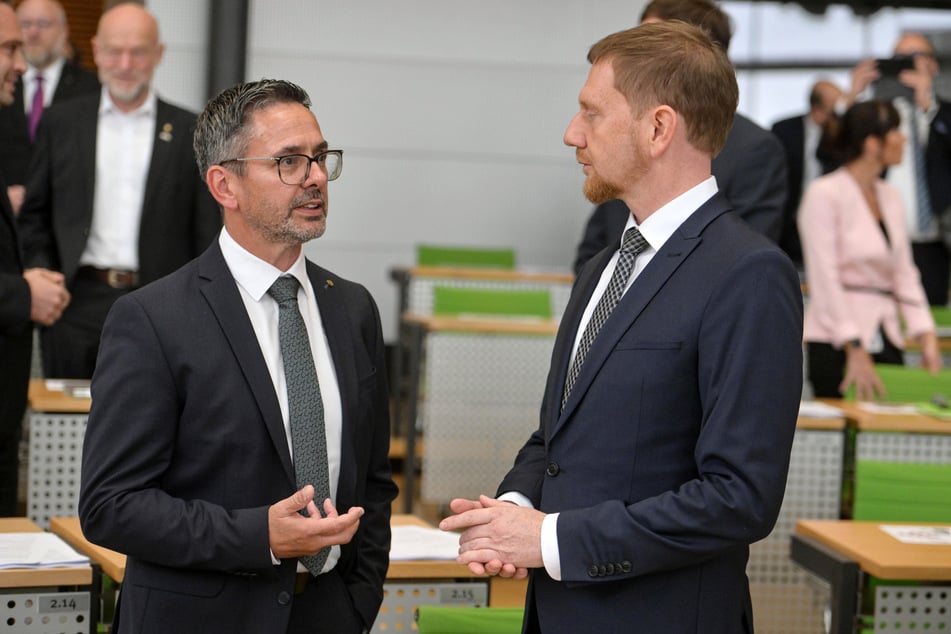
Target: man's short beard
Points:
(599, 191)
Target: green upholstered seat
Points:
(455, 301)
(902, 491)
(493, 258)
(433, 619)
(906, 384)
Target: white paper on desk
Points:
(940, 535)
(817, 409)
(37, 550)
(886, 408)
(418, 542)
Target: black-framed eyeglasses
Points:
(294, 169)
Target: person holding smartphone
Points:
(907, 80)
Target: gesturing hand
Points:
(290, 534)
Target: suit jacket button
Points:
(626, 566)
(283, 597)
(611, 569)
(552, 469)
(592, 571)
(602, 570)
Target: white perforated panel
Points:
(786, 599)
(45, 613)
(912, 609)
(400, 601)
(893, 447)
(56, 445)
(482, 393)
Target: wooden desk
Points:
(29, 596)
(843, 552)
(42, 399)
(914, 422)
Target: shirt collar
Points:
(50, 74)
(108, 106)
(661, 224)
(255, 275)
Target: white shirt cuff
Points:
(551, 556)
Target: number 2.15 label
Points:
(64, 602)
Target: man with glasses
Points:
(237, 446)
(49, 78)
(113, 200)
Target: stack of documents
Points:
(818, 409)
(37, 550)
(417, 542)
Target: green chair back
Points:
(905, 384)
(437, 619)
(942, 316)
(491, 258)
(902, 491)
(455, 301)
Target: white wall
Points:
(451, 113)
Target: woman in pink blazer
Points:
(862, 281)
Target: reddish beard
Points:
(598, 191)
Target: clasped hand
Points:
(498, 538)
(290, 534)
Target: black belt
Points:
(303, 578)
(115, 278)
(879, 291)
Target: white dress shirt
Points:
(123, 155)
(254, 277)
(902, 175)
(51, 75)
(656, 230)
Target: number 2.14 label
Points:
(64, 602)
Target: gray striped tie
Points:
(632, 244)
(305, 407)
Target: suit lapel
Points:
(86, 131)
(651, 280)
(224, 298)
(163, 141)
(336, 323)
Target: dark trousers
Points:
(826, 365)
(934, 263)
(324, 606)
(15, 351)
(69, 346)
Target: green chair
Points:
(906, 384)
(942, 316)
(475, 257)
(455, 301)
(902, 491)
(437, 619)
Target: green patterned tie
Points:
(305, 407)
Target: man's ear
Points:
(664, 123)
(221, 184)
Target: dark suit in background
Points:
(791, 133)
(179, 219)
(933, 259)
(750, 171)
(16, 344)
(14, 136)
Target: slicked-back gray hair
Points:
(222, 131)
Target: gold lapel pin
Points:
(328, 283)
(166, 133)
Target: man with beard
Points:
(49, 78)
(112, 199)
(671, 404)
(35, 295)
(236, 393)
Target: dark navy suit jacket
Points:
(671, 454)
(185, 450)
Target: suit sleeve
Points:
(35, 222)
(748, 384)
(14, 303)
